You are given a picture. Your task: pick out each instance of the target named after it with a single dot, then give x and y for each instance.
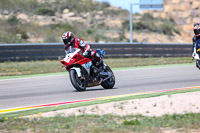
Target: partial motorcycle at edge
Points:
(196, 54)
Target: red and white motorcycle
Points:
(83, 73)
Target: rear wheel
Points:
(79, 83)
(109, 83)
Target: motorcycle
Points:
(85, 72)
(196, 54)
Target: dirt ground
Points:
(154, 106)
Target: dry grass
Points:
(47, 66)
(101, 124)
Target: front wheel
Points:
(79, 83)
(109, 83)
(198, 64)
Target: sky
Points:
(125, 4)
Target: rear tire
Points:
(109, 83)
(78, 83)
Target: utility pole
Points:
(131, 24)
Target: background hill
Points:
(45, 20)
(184, 12)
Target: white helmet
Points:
(68, 38)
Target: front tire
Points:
(79, 83)
(109, 83)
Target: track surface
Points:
(52, 89)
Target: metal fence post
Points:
(131, 24)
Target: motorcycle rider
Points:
(196, 43)
(196, 37)
(71, 43)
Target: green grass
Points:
(48, 66)
(30, 67)
(105, 123)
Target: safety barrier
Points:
(53, 51)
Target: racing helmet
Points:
(68, 38)
(196, 29)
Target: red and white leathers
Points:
(78, 43)
(72, 43)
(85, 49)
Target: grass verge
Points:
(189, 122)
(105, 123)
(47, 66)
(63, 73)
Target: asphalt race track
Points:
(57, 88)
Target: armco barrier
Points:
(42, 51)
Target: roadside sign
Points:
(151, 4)
(145, 5)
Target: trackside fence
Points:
(54, 51)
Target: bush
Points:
(102, 5)
(24, 35)
(84, 5)
(149, 23)
(45, 11)
(18, 5)
(10, 38)
(64, 26)
(13, 20)
(89, 31)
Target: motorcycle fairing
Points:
(85, 63)
(87, 66)
(78, 71)
(82, 61)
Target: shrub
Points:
(89, 31)
(64, 26)
(24, 35)
(45, 11)
(102, 5)
(149, 23)
(126, 25)
(84, 5)
(10, 38)
(13, 20)
(132, 122)
(96, 38)
(18, 5)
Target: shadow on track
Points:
(95, 89)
